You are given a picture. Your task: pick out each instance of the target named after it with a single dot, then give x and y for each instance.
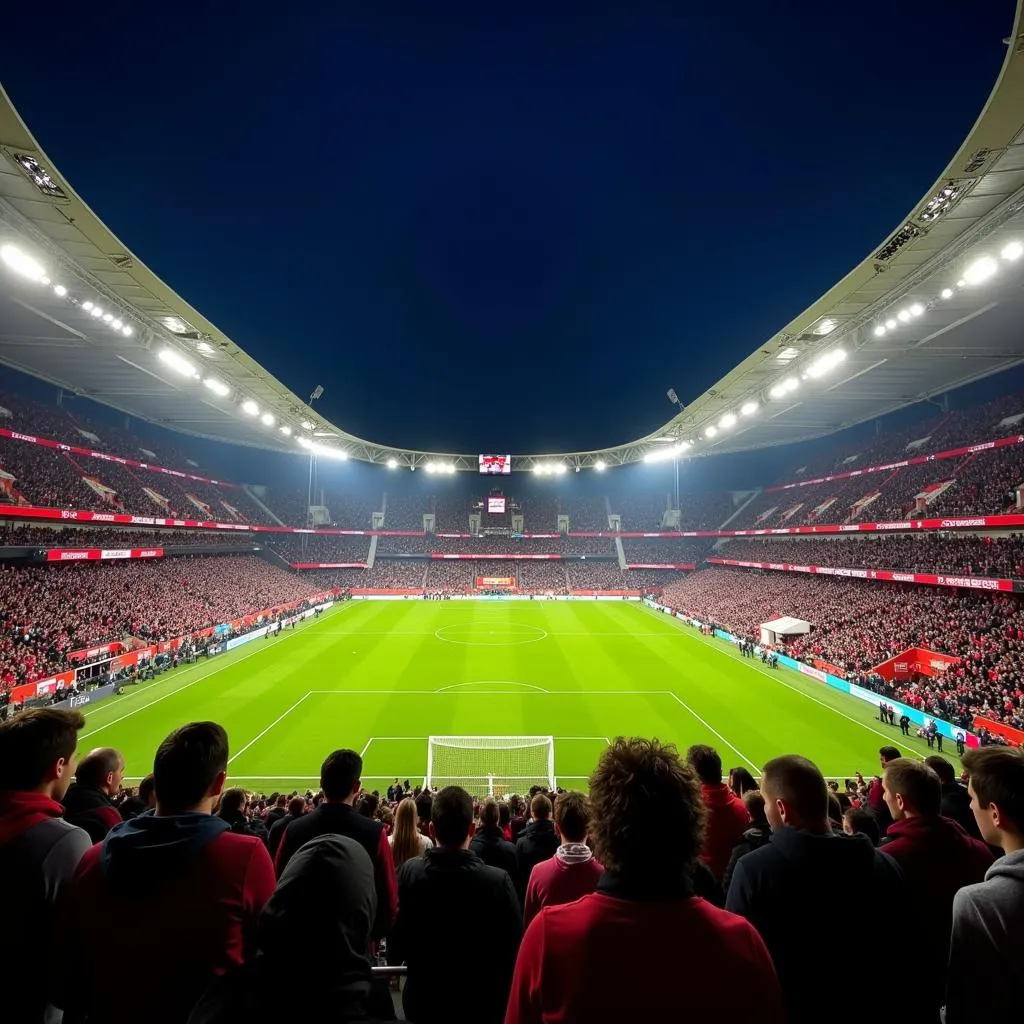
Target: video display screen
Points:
(496, 505)
(496, 465)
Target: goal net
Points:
(491, 765)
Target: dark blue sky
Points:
(514, 230)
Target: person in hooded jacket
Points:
(316, 924)
(753, 838)
(956, 801)
(173, 893)
(537, 842)
(727, 817)
(779, 889)
(489, 842)
(89, 802)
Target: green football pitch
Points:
(382, 677)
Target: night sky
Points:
(506, 231)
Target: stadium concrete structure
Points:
(936, 305)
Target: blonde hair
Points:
(405, 842)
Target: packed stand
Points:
(307, 547)
(604, 575)
(540, 514)
(20, 535)
(405, 512)
(677, 550)
(586, 515)
(543, 577)
(705, 511)
(639, 512)
(459, 577)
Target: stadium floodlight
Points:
(1012, 251)
(981, 270)
(879, 330)
(116, 324)
(59, 290)
(286, 430)
(791, 383)
(538, 469)
(947, 293)
(961, 283)
(431, 467)
(891, 324)
(218, 387)
(779, 391)
(560, 468)
(710, 431)
(827, 326)
(903, 316)
(267, 419)
(916, 309)
(127, 331)
(747, 409)
(177, 362)
(44, 280)
(306, 425)
(250, 407)
(21, 263)
(600, 465)
(392, 463)
(304, 442)
(87, 305)
(727, 421)
(97, 311)
(108, 318)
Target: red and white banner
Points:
(917, 460)
(661, 565)
(884, 575)
(100, 554)
(511, 557)
(329, 565)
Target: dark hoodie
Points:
(753, 839)
(316, 925)
(176, 898)
(90, 809)
(783, 890)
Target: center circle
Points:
(485, 636)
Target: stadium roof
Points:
(935, 306)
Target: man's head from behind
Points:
(451, 817)
(911, 789)
(37, 751)
(490, 813)
(996, 786)
(646, 810)
(572, 816)
(887, 754)
(704, 760)
(795, 794)
(190, 768)
(540, 807)
(102, 769)
(339, 776)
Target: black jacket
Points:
(956, 804)
(753, 839)
(90, 809)
(491, 846)
(455, 913)
(537, 842)
(790, 890)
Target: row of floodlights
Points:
(27, 266)
(977, 272)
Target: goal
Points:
(491, 765)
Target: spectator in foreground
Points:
(956, 801)
(89, 801)
(175, 893)
(489, 842)
(779, 888)
(727, 818)
(757, 834)
(234, 809)
(455, 909)
(984, 981)
(858, 821)
(537, 842)
(39, 851)
(936, 857)
(315, 925)
(876, 797)
(336, 815)
(407, 841)
(643, 947)
(143, 800)
(572, 872)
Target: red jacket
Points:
(726, 823)
(173, 901)
(559, 880)
(609, 959)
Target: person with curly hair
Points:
(579, 961)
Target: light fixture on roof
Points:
(947, 293)
(218, 387)
(392, 463)
(879, 330)
(791, 383)
(97, 311)
(1012, 251)
(174, 324)
(59, 290)
(176, 362)
(748, 408)
(87, 305)
(779, 391)
(916, 309)
(304, 442)
(827, 326)
(890, 324)
(250, 407)
(108, 318)
(600, 465)
(787, 355)
(306, 425)
(44, 280)
(710, 431)
(127, 331)
(903, 316)
(267, 419)
(980, 270)
(21, 263)
(961, 283)
(286, 430)
(727, 421)
(204, 348)
(116, 324)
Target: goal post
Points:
(490, 765)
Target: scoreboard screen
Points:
(496, 504)
(496, 465)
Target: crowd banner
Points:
(98, 554)
(661, 565)
(884, 575)
(915, 715)
(329, 565)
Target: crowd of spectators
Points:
(858, 624)
(22, 535)
(640, 512)
(596, 575)
(707, 890)
(956, 554)
(543, 577)
(405, 512)
(305, 547)
(48, 611)
(586, 515)
(675, 550)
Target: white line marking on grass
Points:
(260, 736)
(712, 729)
(220, 668)
(362, 753)
(445, 692)
(493, 682)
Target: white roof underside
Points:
(972, 336)
(787, 625)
